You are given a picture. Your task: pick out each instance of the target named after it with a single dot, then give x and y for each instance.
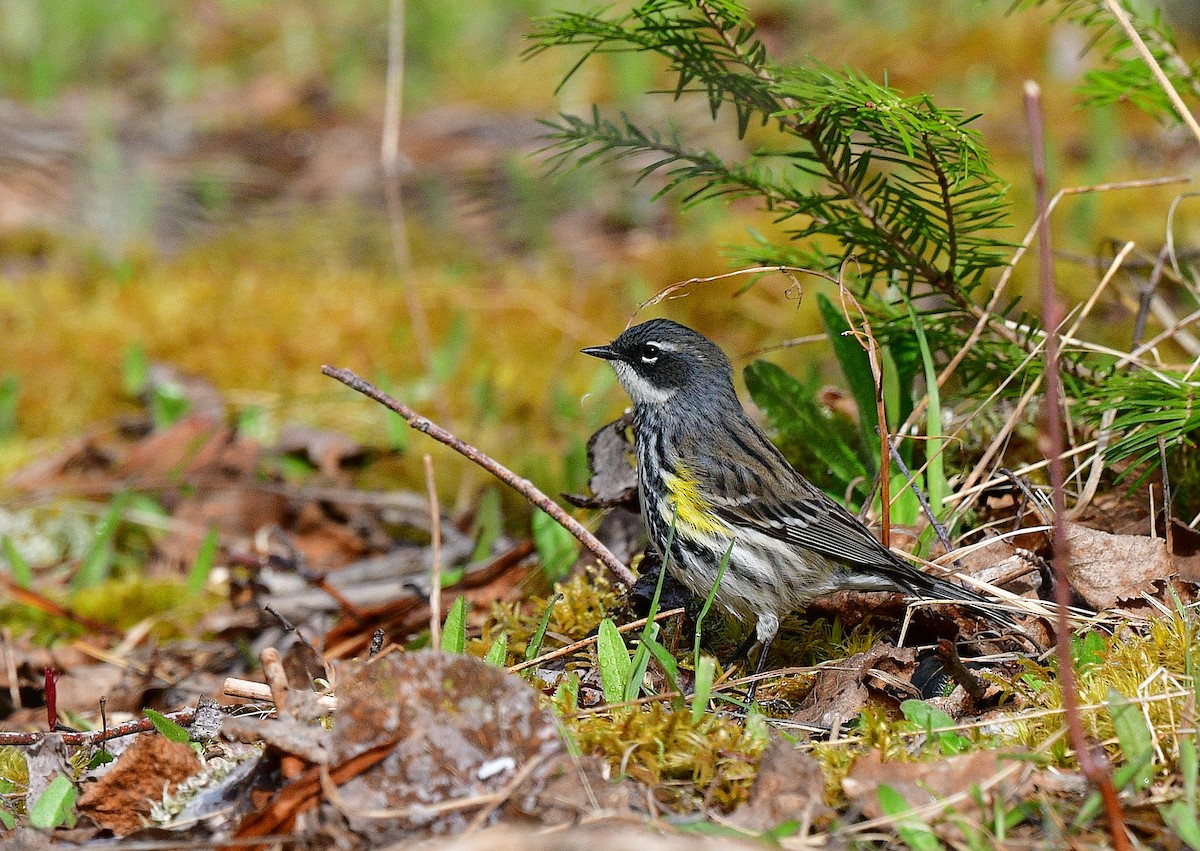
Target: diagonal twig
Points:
(521, 485)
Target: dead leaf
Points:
(1106, 569)
(919, 783)
(790, 785)
(614, 479)
(417, 730)
(461, 728)
(841, 691)
(152, 765)
(584, 786)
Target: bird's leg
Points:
(742, 652)
(758, 669)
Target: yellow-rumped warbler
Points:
(704, 465)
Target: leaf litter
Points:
(423, 743)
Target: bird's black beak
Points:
(605, 352)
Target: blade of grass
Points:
(498, 653)
(98, 561)
(705, 670)
(206, 556)
(535, 643)
(935, 471)
(708, 601)
(454, 631)
(21, 573)
(641, 657)
(612, 657)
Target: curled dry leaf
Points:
(842, 690)
(790, 785)
(614, 479)
(1109, 569)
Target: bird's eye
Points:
(649, 353)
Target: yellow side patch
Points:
(693, 512)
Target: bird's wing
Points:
(761, 490)
(801, 514)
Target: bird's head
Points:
(656, 359)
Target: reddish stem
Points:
(1093, 765)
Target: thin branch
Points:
(522, 486)
(942, 534)
(1093, 766)
(391, 162)
(95, 737)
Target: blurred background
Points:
(203, 183)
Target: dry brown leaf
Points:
(789, 785)
(458, 728)
(152, 765)
(919, 783)
(841, 691)
(614, 479)
(1106, 569)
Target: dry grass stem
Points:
(435, 578)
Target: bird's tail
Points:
(927, 587)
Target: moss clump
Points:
(689, 766)
(584, 600)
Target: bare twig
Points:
(1093, 765)
(137, 725)
(435, 580)
(390, 160)
(275, 676)
(866, 339)
(790, 271)
(953, 665)
(522, 486)
(942, 534)
(261, 692)
(1166, 493)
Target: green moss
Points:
(688, 765)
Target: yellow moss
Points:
(710, 763)
(1146, 661)
(125, 602)
(586, 600)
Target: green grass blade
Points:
(856, 368)
(1134, 735)
(612, 656)
(936, 485)
(498, 653)
(21, 574)
(535, 643)
(705, 671)
(206, 556)
(97, 562)
(708, 601)
(454, 631)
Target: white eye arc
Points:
(649, 353)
